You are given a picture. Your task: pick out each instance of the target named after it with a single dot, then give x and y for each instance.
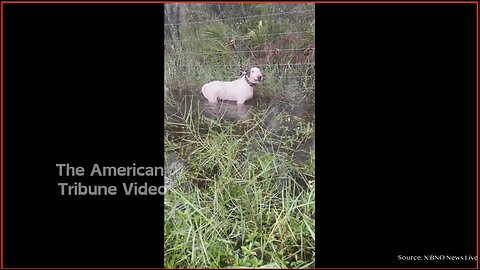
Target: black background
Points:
(83, 85)
(396, 130)
(397, 134)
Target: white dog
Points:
(239, 90)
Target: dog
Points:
(239, 90)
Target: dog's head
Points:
(254, 75)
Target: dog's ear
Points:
(248, 72)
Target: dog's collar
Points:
(249, 82)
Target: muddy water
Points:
(226, 110)
(280, 114)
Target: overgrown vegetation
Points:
(240, 197)
(243, 192)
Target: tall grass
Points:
(239, 198)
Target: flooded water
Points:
(228, 110)
(284, 118)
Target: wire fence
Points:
(250, 51)
(203, 43)
(239, 38)
(312, 64)
(241, 18)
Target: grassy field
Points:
(243, 192)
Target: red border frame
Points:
(215, 2)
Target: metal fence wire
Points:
(216, 41)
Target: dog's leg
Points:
(212, 97)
